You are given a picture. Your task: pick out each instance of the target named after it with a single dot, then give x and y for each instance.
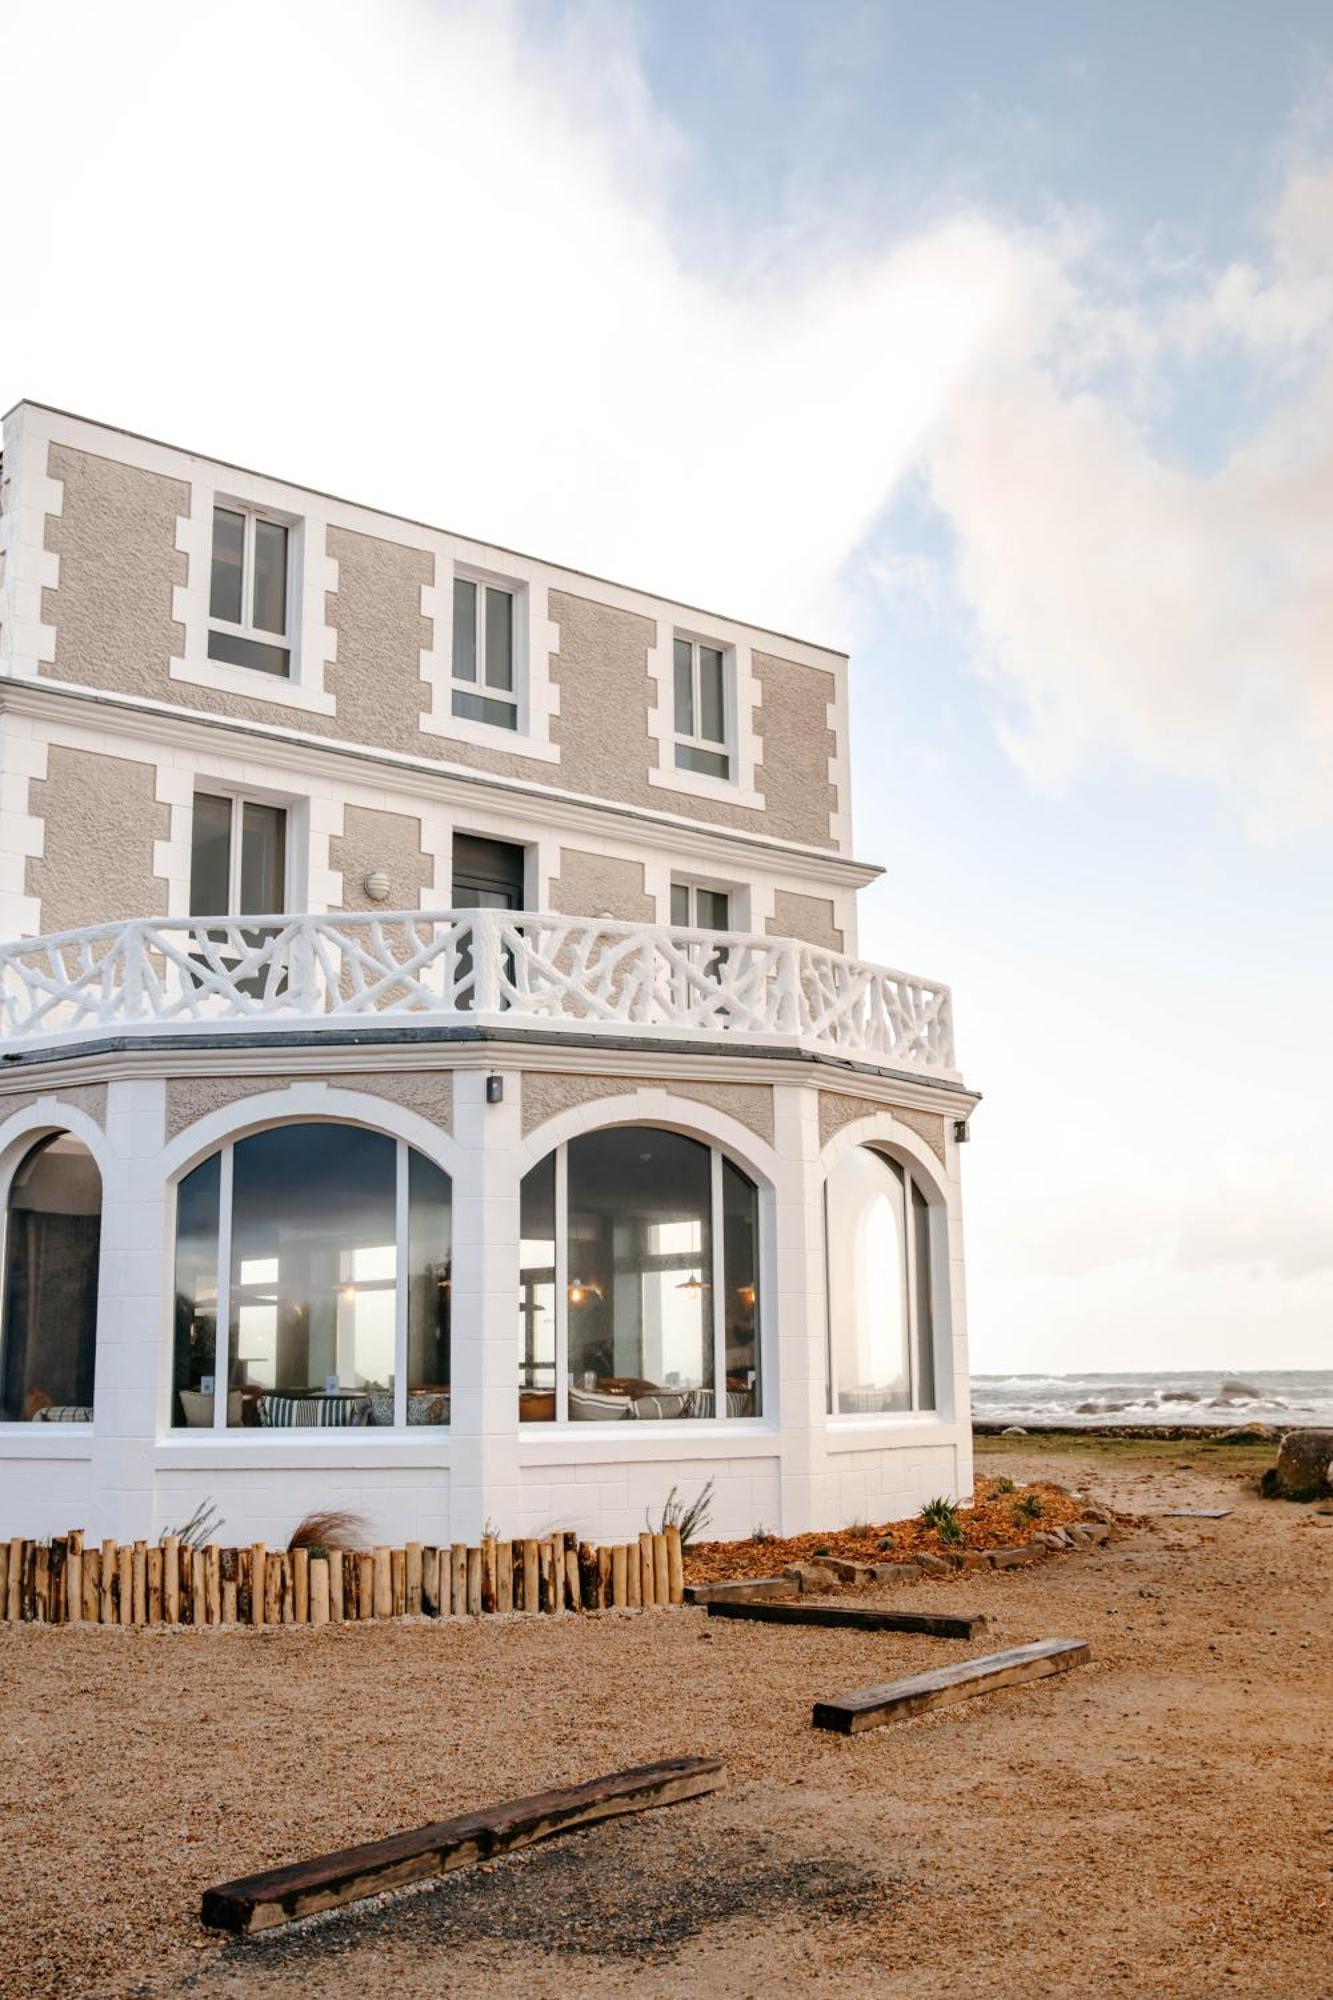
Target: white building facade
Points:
(436, 1075)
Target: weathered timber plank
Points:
(857, 1617)
(742, 1590)
(280, 1895)
(868, 1707)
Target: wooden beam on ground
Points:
(856, 1617)
(868, 1707)
(742, 1590)
(280, 1895)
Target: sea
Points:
(1272, 1396)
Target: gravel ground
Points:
(1156, 1824)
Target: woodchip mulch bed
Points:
(998, 1519)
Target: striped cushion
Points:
(313, 1412)
(667, 1403)
(591, 1405)
(64, 1413)
(740, 1403)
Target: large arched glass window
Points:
(48, 1339)
(313, 1273)
(881, 1336)
(639, 1282)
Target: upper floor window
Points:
(698, 909)
(483, 672)
(703, 707)
(238, 857)
(249, 618)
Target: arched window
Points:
(313, 1273)
(881, 1336)
(639, 1282)
(48, 1341)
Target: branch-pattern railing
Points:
(479, 967)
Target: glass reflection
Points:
(53, 1240)
(880, 1330)
(536, 1311)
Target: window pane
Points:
(867, 1284)
(263, 861)
(50, 1304)
(235, 651)
(923, 1331)
(270, 608)
(499, 639)
(639, 1275)
(465, 629)
(680, 904)
(684, 669)
(224, 595)
(197, 1202)
(740, 1250)
(429, 1281)
(312, 1274)
(536, 1309)
(712, 711)
(713, 909)
(210, 856)
(712, 763)
(476, 708)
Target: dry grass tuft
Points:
(331, 1528)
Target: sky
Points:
(994, 344)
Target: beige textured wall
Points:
(546, 1093)
(376, 611)
(430, 1093)
(600, 885)
(116, 540)
(101, 819)
(837, 1110)
(809, 918)
(794, 773)
(391, 841)
(89, 1098)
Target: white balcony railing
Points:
(479, 968)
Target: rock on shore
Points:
(1304, 1468)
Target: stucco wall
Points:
(809, 918)
(89, 1098)
(428, 1092)
(376, 611)
(599, 885)
(101, 818)
(381, 840)
(837, 1110)
(793, 773)
(116, 540)
(546, 1093)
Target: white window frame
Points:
(222, 1341)
(692, 740)
(915, 1413)
(239, 801)
(480, 688)
(246, 629)
(689, 1426)
(693, 885)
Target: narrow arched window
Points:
(313, 1282)
(639, 1282)
(881, 1330)
(53, 1233)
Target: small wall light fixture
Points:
(495, 1090)
(376, 886)
(961, 1134)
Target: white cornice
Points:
(420, 777)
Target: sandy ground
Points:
(1159, 1823)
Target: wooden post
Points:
(661, 1581)
(228, 1612)
(646, 1570)
(273, 1591)
(55, 1580)
(318, 1588)
(474, 1583)
(620, 1576)
(365, 1585)
(171, 1579)
(92, 1586)
(532, 1576)
(28, 1599)
(73, 1577)
(212, 1586)
(675, 1567)
(139, 1583)
(258, 1573)
(397, 1582)
(412, 1575)
(458, 1580)
(633, 1578)
(4, 1577)
(504, 1576)
(553, 1572)
(115, 1584)
(198, 1588)
(383, 1573)
(15, 1585)
(488, 1572)
(153, 1576)
(573, 1588)
(301, 1586)
(603, 1579)
(430, 1581)
(337, 1588)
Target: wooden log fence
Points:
(171, 1583)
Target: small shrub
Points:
(1004, 1484)
(884, 1542)
(857, 1528)
(691, 1519)
(760, 1534)
(942, 1516)
(1030, 1507)
(330, 1528)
